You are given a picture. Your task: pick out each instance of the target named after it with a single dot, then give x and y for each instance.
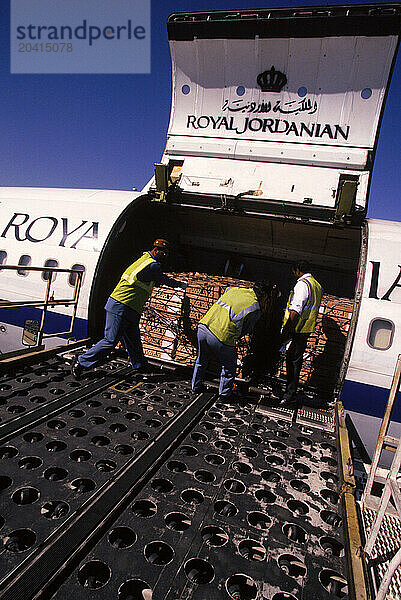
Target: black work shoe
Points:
(199, 390)
(77, 369)
(288, 401)
(232, 398)
(145, 369)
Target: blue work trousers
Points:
(209, 344)
(121, 325)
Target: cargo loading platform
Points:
(122, 486)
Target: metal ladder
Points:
(392, 486)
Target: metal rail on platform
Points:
(49, 301)
(358, 579)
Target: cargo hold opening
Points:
(203, 240)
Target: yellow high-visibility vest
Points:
(129, 290)
(225, 318)
(307, 319)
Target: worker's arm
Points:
(289, 326)
(250, 321)
(164, 280)
(296, 307)
(153, 272)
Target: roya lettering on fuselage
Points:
(23, 228)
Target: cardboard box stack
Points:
(170, 319)
(160, 323)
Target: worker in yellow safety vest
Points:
(299, 322)
(124, 308)
(232, 316)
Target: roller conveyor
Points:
(123, 484)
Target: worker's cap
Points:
(161, 245)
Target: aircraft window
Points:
(366, 93)
(185, 89)
(46, 275)
(381, 332)
(25, 260)
(3, 257)
(302, 91)
(240, 90)
(72, 278)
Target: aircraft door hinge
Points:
(166, 177)
(346, 199)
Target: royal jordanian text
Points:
(273, 126)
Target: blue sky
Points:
(106, 131)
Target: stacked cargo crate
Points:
(170, 319)
(169, 322)
(160, 323)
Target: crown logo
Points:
(271, 81)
